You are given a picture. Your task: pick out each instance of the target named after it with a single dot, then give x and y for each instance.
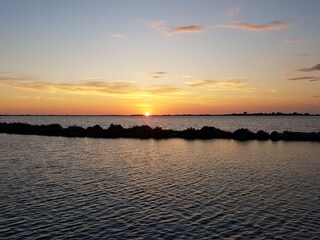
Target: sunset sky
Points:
(164, 57)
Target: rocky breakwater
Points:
(146, 132)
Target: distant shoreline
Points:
(146, 132)
(162, 115)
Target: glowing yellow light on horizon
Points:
(147, 114)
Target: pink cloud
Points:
(275, 25)
(172, 30)
(186, 29)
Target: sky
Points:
(163, 57)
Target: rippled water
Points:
(82, 188)
(228, 123)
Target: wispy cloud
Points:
(158, 25)
(158, 74)
(172, 30)
(116, 87)
(233, 11)
(307, 78)
(314, 68)
(163, 27)
(291, 41)
(38, 98)
(231, 84)
(307, 55)
(275, 25)
(94, 86)
(153, 75)
(186, 29)
(117, 36)
(8, 76)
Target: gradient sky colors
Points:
(164, 57)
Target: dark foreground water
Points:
(79, 188)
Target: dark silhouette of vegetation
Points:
(262, 135)
(273, 114)
(243, 134)
(146, 132)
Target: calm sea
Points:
(82, 188)
(228, 123)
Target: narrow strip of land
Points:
(146, 132)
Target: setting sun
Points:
(147, 114)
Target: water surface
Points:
(84, 188)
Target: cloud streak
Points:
(158, 74)
(90, 86)
(291, 41)
(154, 75)
(307, 78)
(117, 36)
(186, 29)
(163, 27)
(103, 87)
(232, 84)
(314, 68)
(275, 25)
(172, 30)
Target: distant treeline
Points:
(275, 114)
(252, 114)
(146, 132)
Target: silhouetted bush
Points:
(51, 130)
(95, 131)
(275, 136)
(190, 133)
(243, 134)
(300, 136)
(75, 131)
(144, 132)
(159, 133)
(212, 132)
(114, 131)
(262, 135)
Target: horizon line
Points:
(183, 114)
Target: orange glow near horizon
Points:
(101, 105)
(264, 63)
